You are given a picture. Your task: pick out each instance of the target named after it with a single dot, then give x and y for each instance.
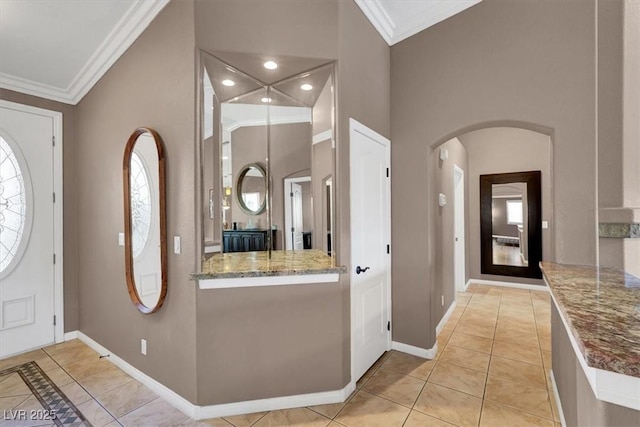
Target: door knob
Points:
(361, 270)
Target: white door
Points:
(458, 232)
(293, 212)
(370, 235)
(26, 230)
(296, 215)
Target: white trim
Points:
(222, 410)
(249, 282)
(425, 353)
(508, 285)
(68, 336)
(58, 211)
(322, 136)
(554, 385)
(612, 387)
(355, 126)
(136, 19)
(393, 32)
(445, 318)
(287, 120)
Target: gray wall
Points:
(290, 154)
(580, 406)
(501, 150)
(152, 85)
(70, 201)
(328, 29)
(442, 226)
(500, 61)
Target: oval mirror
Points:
(252, 189)
(144, 220)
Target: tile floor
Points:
(491, 371)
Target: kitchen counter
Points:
(242, 269)
(600, 311)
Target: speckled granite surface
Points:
(602, 308)
(258, 264)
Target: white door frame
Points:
(58, 268)
(287, 208)
(459, 265)
(355, 126)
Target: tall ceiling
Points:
(59, 49)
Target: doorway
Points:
(370, 239)
(297, 208)
(459, 263)
(31, 306)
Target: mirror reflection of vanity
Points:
(267, 154)
(510, 224)
(145, 222)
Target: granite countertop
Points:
(602, 308)
(258, 264)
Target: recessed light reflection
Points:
(270, 65)
(306, 86)
(228, 82)
(266, 100)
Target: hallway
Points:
(491, 370)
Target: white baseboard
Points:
(542, 288)
(557, 398)
(68, 336)
(222, 410)
(416, 351)
(445, 318)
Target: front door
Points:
(26, 230)
(370, 237)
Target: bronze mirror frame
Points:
(243, 173)
(128, 240)
(534, 218)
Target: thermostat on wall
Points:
(442, 199)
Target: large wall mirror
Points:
(267, 153)
(144, 220)
(510, 224)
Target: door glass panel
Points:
(13, 207)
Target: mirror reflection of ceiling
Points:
(245, 99)
(505, 191)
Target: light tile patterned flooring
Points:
(491, 371)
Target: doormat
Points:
(56, 407)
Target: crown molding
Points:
(125, 32)
(394, 32)
(376, 14)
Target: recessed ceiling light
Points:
(228, 82)
(270, 65)
(306, 86)
(266, 100)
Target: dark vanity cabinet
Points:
(246, 240)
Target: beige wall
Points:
(248, 145)
(70, 198)
(499, 61)
(442, 226)
(290, 156)
(502, 150)
(152, 85)
(328, 29)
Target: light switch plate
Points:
(176, 245)
(120, 239)
(545, 224)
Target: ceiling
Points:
(59, 49)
